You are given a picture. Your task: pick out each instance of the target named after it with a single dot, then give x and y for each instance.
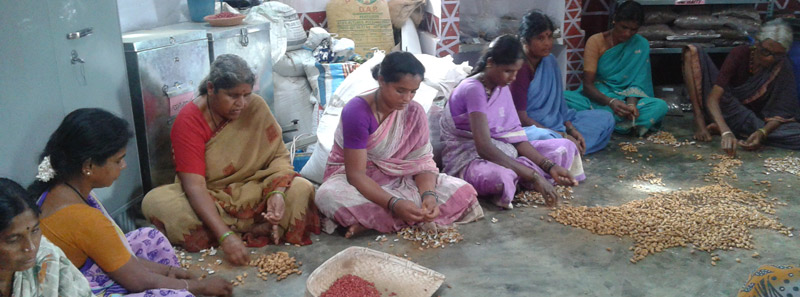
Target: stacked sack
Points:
(664, 27)
(292, 99)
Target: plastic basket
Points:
(390, 274)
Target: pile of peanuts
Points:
(712, 217)
(628, 147)
(278, 263)
(651, 178)
(431, 239)
(789, 165)
(533, 198)
(662, 137)
(724, 167)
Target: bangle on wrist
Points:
(225, 235)
(727, 132)
(546, 165)
(283, 195)
(185, 282)
(391, 205)
(763, 131)
(430, 193)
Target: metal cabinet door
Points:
(163, 74)
(251, 42)
(47, 80)
(94, 76)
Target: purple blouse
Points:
(358, 123)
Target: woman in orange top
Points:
(87, 151)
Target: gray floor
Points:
(525, 256)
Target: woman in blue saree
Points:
(538, 93)
(616, 75)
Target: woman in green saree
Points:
(616, 75)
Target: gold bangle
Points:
(763, 131)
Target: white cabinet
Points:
(40, 84)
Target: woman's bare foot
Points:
(713, 129)
(354, 230)
(266, 229)
(261, 229)
(701, 133)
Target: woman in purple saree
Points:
(485, 143)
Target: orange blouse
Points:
(596, 46)
(83, 232)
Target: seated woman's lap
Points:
(171, 202)
(341, 201)
(151, 244)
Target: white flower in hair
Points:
(46, 172)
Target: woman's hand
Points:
(275, 209)
(235, 251)
(180, 273)
(408, 211)
(541, 185)
(728, 143)
(562, 176)
(578, 139)
(212, 286)
(621, 109)
(753, 142)
(430, 208)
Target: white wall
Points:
(147, 14)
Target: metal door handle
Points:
(80, 34)
(75, 58)
(244, 40)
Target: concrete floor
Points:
(525, 256)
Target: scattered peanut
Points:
(711, 217)
(276, 263)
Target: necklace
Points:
(77, 192)
(210, 113)
(482, 79)
(377, 112)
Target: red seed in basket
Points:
(351, 286)
(223, 15)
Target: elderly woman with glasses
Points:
(753, 96)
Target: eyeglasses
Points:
(767, 53)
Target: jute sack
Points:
(366, 22)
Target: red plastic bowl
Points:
(216, 21)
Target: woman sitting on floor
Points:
(381, 174)
(753, 96)
(87, 151)
(30, 265)
(772, 280)
(484, 142)
(538, 94)
(234, 172)
(616, 75)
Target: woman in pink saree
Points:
(381, 174)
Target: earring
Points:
(88, 173)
